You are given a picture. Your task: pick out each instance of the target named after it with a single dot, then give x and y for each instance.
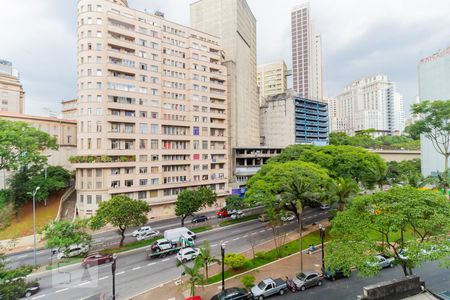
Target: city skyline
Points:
(350, 50)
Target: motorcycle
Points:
(291, 285)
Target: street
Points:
(436, 279)
(135, 274)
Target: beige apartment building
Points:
(152, 108)
(272, 79)
(65, 131)
(12, 96)
(234, 23)
(70, 109)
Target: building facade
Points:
(288, 119)
(434, 84)
(306, 54)
(370, 103)
(12, 96)
(70, 109)
(233, 22)
(272, 79)
(152, 108)
(65, 132)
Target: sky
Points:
(359, 38)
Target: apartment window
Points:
(143, 128)
(143, 181)
(89, 199)
(143, 170)
(98, 185)
(142, 66)
(115, 171)
(99, 98)
(154, 170)
(99, 21)
(99, 8)
(128, 182)
(98, 172)
(155, 157)
(142, 195)
(154, 128)
(99, 111)
(154, 181)
(89, 143)
(115, 184)
(196, 131)
(196, 145)
(99, 72)
(142, 144)
(98, 199)
(154, 145)
(81, 198)
(99, 143)
(98, 46)
(99, 85)
(143, 158)
(99, 34)
(204, 145)
(154, 115)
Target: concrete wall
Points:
(397, 155)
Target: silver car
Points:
(306, 280)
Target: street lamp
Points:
(113, 268)
(34, 223)
(322, 236)
(222, 251)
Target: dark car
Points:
(33, 288)
(334, 274)
(96, 259)
(233, 293)
(199, 219)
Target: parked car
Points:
(288, 217)
(263, 218)
(147, 235)
(176, 234)
(233, 293)
(72, 251)
(32, 288)
(142, 230)
(96, 259)
(269, 287)
(187, 254)
(237, 214)
(324, 206)
(223, 213)
(307, 279)
(382, 261)
(334, 274)
(199, 219)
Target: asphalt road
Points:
(136, 274)
(436, 280)
(107, 239)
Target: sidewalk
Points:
(287, 266)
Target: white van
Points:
(174, 235)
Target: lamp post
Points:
(322, 236)
(113, 268)
(34, 223)
(222, 251)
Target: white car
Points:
(236, 214)
(324, 206)
(288, 217)
(72, 251)
(142, 230)
(147, 235)
(187, 254)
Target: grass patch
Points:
(23, 225)
(65, 262)
(271, 255)
(131, 246)
(201, 229)
(239, 220)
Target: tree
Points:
(191, 201)
(342, 190)
(122, 212)
(194, 276)
(207, 257)
(22, 145)
(274, 214)
(62, 234)
(234, 202)
(235, 260)
(434, 124)
(12, 289)
(403, 218)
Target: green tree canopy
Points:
(22, 145)
(235, 202)
(191, 201)
(365, 140)
(62, 234)
(12, 289)
(403, 218)
(121, 212)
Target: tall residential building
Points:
(332, 113)
(288, 119)
(233, 22)
(12, 96)
(272, 79)
(371, 103)
(152, 108)
(306, 54)
(434, 79)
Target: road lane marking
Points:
(22, 256)
(37, 297)
(151, 264)
(136, 268)
(120, 273)
(235, 239)
(84, 283)
(253, 233)
(62, 290)
(103, 278)
(166, 259)
(245, 236)
(261, 231)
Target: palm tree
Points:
(207, 257)
(194, 275)
(343, 190)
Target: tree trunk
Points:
(182, 220)
(301, 244)
(122, 234)
(446, 175)
(405, 271)
(206, 270)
